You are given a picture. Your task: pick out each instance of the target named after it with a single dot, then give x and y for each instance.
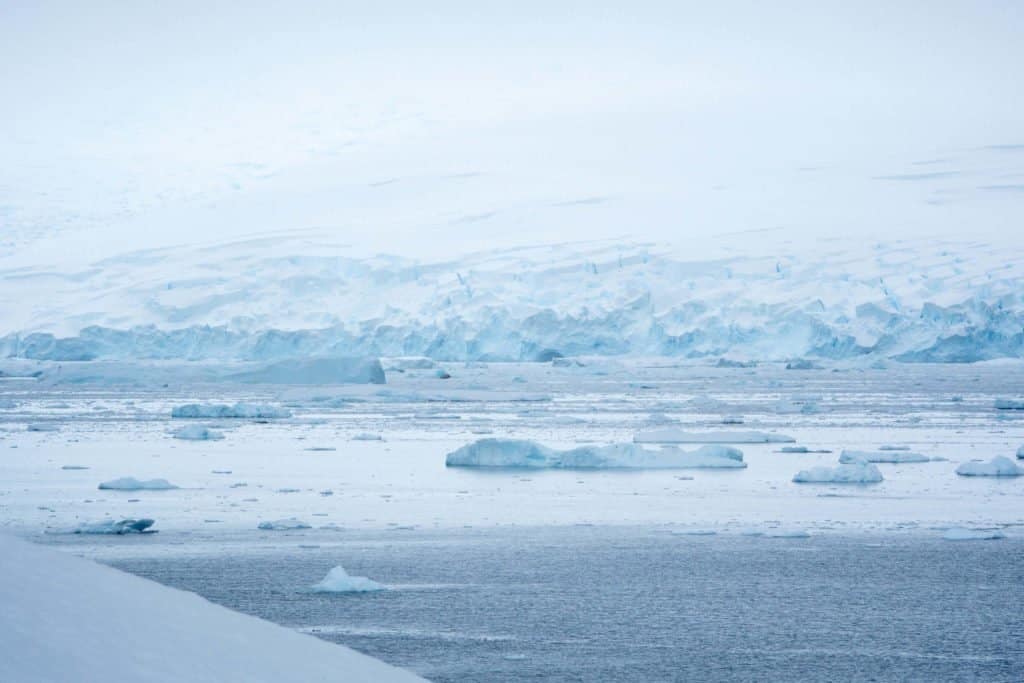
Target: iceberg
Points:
(339, 581)
(256, 411)
(1009, 404)
(197, 433)
(859, 473)
(673, 435)
(367, 436)
(530, 454)
(999, 466)
(43, 427)
(890, 456)
(289, 524)
(964, 534)
(802, 449)
(133, 484)
(1020, 453)
(116, 527)
(316, 371)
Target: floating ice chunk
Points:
(963, 534)
(317, 371)
(802, 449)
(116, 527)
(802, 364)
(730, 363)
(44, 427)
(74, 467)
(529, 454)
(672, 435)
(999, 466)
(1009, 404)
(289, 524)
(890, 447)
(339, 581)
(859, 473)
(367, 436)
(694, 532)
(133, 484)
(239, 410)
(851, 457)
(196, 433)
(732, 420)
(1020, 453)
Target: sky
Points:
(431, 129)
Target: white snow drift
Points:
(339, 581)
(859, 473)
(530, 454)
(673, 435)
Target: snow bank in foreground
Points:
(289, 524)
(859, 473)
(339, 581)
(521, 453)
(672, 435)
(196, 433)
(133, 484)
(138, 630)
(252, 411)
(115, 527)
(963, 534)
(999, 466)
(891, 456)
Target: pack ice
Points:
(530, 454)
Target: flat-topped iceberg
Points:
(530, 454)
(252, 411)
(890, 456)
(859, 473)
(133, 484)
(673, 435)
(1009, 404)
(314, 371)
(999, 466)
(339, 581)
(197, 433)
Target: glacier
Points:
(529, 454)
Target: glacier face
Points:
(279, 299)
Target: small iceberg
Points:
(197, 433)
(1020, 453)
(367, 436)
(339, 581)
(853, 457)
(133, 484)
(891, 447)
(116, 527)
(74, 467)
(960, 533)
(1009, 404)
(999, 466)
(801, 449)
(672, 435)
(529, 454)
(859, 473)
(43, 427)
(257, 411)
(289, 524)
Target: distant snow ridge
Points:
(529, 454)
(251, 411)
(273, 302)
(339, 581)
(860, 473)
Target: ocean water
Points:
(634, 604)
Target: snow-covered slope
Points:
(67, 619)
(296, 296)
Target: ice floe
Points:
(859, 473)
(672, 435)
(530, 454)
(339, 581)
(133, 484)
(999, 466)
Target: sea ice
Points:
(197, 433)
(239, 410)
(529, 454)
(859, 473)
(284, 525)
(673, 435)
(339, 581)
(133, 484)
(999, 466)
(890, 456)
(964, 534)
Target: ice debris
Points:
(529, 454)
(339, 581)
